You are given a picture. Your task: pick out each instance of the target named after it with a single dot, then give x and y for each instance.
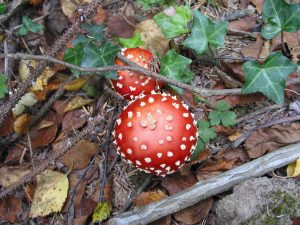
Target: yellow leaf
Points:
(28, 99)
(101, 212)
(50, 193)
(77, 102)
(293, 169)
(24, 68)
(44, 124)
(11, 174)
(76, 84)
(153, 37)
(234, 136)
(21, 124)
(42, 80)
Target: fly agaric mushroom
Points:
(156, 133)
(131, 84)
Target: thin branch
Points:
(207, 188)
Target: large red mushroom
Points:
(131, 84)
(156, 133)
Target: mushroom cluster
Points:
(156, 133)
(131, 84)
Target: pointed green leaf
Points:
(206, 133)
(74, 56)
(95, 56)
(31, 25)
(132, 42)
(279, 16)
(3, 86)
(175, 67)
(268, 78)
(174, 21)
(204, 33)
(94, 31)
(81, 39)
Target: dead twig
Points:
(208, 188)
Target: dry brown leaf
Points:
(245, 99)
(258, 4)
(86, 207)
(146, 198)
(11, 174)
(234, 136)
(44, 136)
(100, 16)
(265, 51)
(153, 38)
(221, 164)
(207, 175)
(234, 69)
(59, 107)
(36, 2)
(77, 102)
(8, 125)
(224, 130)
(119, 28)
(196, 213)
(253, 50)
(79, 156)
(15, 153)
(69, 7)
(175, 182)
(21, 124)
(11, 210)
(246, 23)
(73, 120)
(269, 139)
(232, 153)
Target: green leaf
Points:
(3, 86)
(222, 115)
(31, 25)
(228, 118)
(200, 146)
(206, 133)
(215, 118)
(205, 33)
(222, 106)
(174, 66)
(132, 42)
(3, 8)
(101, 212)
(174, 21)
(74, 56)
(268, 78)
(94, 31)
(22, 31)
(95, 56)
(279, 16)
(81, 39)
(147, 4)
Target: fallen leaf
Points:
(76, 84)
(175, 182)
(265, 51)
(69, 7)
(246, 23)
(195, 213)
(59, 107)
(233, 153)
(234, 69)
(120, 28)
(40, 136)
(221, 130)
(148, 197)
(269, 139)
(15, 154)
(101, 212)
(21, 124)
(73, 120)
(77, 102)
(207, 175)
(244, 99)
(258, 4)
(43, 79)
(234, 136)
(153, 38)
(11, 210)
(100, 16)
(50, 193)
(8, 125)
(253, 50)
(29, 99)
(36, 2)
(86, 207)
(12, 174)
(79, 156)
(221, 164)
(24, 68)
(293, 169)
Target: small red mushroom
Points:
(131, 84)
(156, 133)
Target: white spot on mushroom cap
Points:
(159, 155)
(120, 135)
(135, 139)
(158, 111)
(188, 126)
(158, 171)
(143, 147)
(170, 154)
(148, 160)
(150, 100)
(143, 123)
(119, 85)
(192, 138)
(120, 78)
(168, 168)
(177, 163)
(174, 97)
(122, 154)
(184, 139)
(138, 114)
(129, 151)
(161, 142)
(142, 104)
(137, 162)
(169, 138)
(129, 124)
(186, 115)
(164, 99)
(176, 105)
(183, 147)
(162, 165)
(169, 118)
(119, 121)
(130, 114)
(132, 88)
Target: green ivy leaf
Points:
(3, 8)
(222, 115)
(174, 21)
(132, 42)
(205, 33)
(200, 146)
(74, 56)
(101, 212)
(29, 25)
(147, 4)
(268, 78)
(3, 86)
(279, 16)
(174, 66)
(94, 31)
(206, 133)
(95, 56)
(81, 39)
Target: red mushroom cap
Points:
(131, 84)
(156, 133)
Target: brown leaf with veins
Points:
(8, 125)
(253, 50)
(246, 23)
(258, 4)
(11, 209)
(269, 139)
(119, 28)
(11, 174)
(221, 164)
(73, 120)
(175, 182)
